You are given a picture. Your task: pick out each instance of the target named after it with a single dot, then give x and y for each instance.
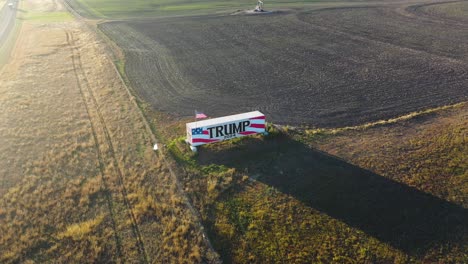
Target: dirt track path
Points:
(75, 155)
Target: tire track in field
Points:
(89, 96)
(418, 12)
(98, 151)
(146, 50)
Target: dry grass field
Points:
(79, 181)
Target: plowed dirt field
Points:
(328, 67)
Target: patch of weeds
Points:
(183, 157)
(214, 169)
(239, 214)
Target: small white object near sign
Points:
(225, 128)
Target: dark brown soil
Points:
(330, 68)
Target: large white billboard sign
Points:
(224, 128)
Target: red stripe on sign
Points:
(258, 117)
(202, 140)
(257, 125)
(248, 133)
(206, 132)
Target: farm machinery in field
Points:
(259, 7)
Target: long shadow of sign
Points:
(403, 216)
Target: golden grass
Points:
(80, 231)
(79, 181)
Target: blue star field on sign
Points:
(197, 131)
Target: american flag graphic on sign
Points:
(200, 135)
(257, 125)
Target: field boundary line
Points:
(379, 123)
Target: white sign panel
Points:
(224, 128)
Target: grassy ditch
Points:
(45, 12)
(30, 16)
(7, 47)
(48, 17)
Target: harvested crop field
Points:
(328, 67)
